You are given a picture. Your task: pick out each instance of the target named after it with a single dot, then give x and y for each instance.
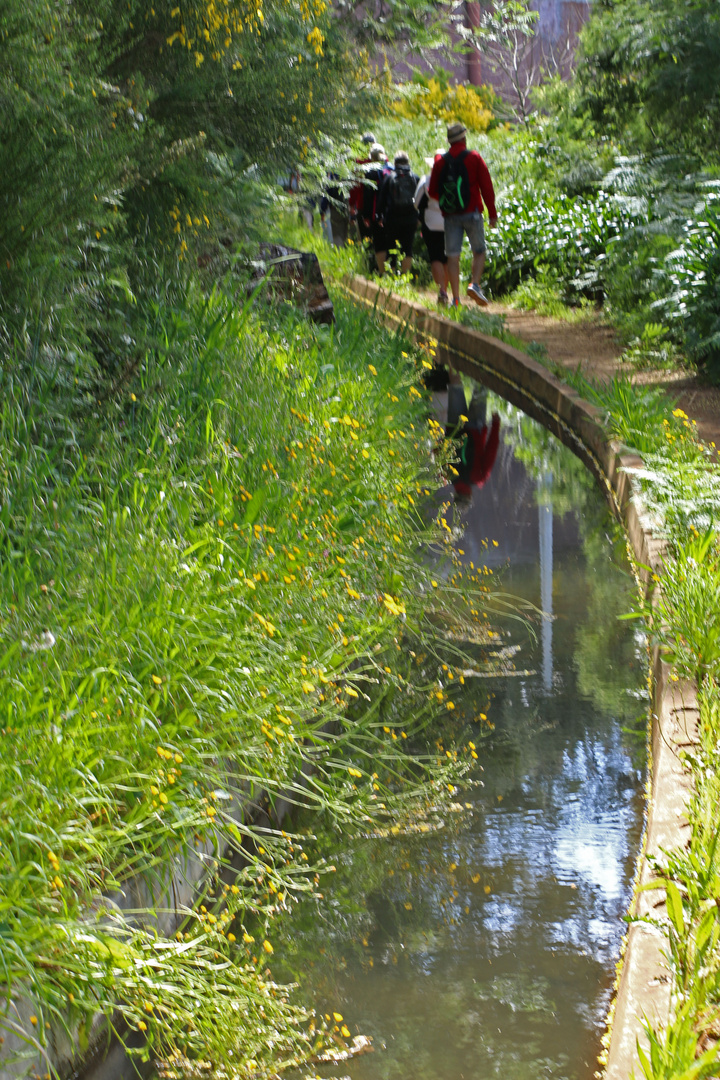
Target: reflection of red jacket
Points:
(477, 457)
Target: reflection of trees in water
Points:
(464, 977)
(608, 656)
(609, 653)
(473, 946)
(541, 453)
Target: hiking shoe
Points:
(455, 302)
(442, 298)
(475, 293)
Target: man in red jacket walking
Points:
(460, 181)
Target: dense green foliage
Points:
(206, 581)
(209, 523)
(110, 108)
(133, 136)
(649, 71)
(209, 517)
(647, 78)
(566, 236)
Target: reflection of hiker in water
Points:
(478, 444)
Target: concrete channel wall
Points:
(642, 985)
(166, 895)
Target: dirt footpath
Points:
(593, 346)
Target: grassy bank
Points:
(212, 581)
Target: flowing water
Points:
(490, 950)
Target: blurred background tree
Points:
(131, 126)
(650, 70)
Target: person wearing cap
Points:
(432, 227)
(461, 182)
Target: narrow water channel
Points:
(489, 950)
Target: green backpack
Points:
(454, 184)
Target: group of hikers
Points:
(384, 206)
(389, 200)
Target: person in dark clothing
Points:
(396, 210)
(334, 212)
(375, 174)
(356, 198)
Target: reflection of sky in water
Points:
(502, 965)
(592, 857)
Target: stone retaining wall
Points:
(643, 985)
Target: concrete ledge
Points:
(643, 984)
(165, 895)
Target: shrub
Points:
(694, 300)
(636, 277)
(437, 100)
(207, 570)
(545, 295)
(555, 233)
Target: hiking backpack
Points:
(374, 179)
(454, 184)
(402, 190)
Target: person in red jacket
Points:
(461, 181)
(357, 191)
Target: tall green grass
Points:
(213, 581)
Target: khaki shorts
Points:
(456, 225)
